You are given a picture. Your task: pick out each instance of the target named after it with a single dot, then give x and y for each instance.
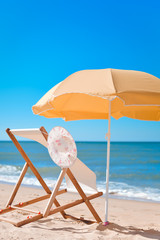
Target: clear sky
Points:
(42, 42)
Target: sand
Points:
(128, 219)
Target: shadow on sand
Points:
(150, 233)
(127, 230)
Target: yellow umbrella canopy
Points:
(86, 94)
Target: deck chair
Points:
(73, 179)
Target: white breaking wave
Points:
(124, 190)
(8, 169)
(31, 181)
(10, 174)
(120, 190)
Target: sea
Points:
(134, 167)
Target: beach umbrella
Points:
(100, 94)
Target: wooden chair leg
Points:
(83, 195)
(54, 193)
(58, 205)
(24, 170)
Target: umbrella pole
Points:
(108, 135)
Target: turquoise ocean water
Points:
(134, 166)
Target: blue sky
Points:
(42, 42)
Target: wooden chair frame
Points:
(51, 195)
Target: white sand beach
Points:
(128, 219)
